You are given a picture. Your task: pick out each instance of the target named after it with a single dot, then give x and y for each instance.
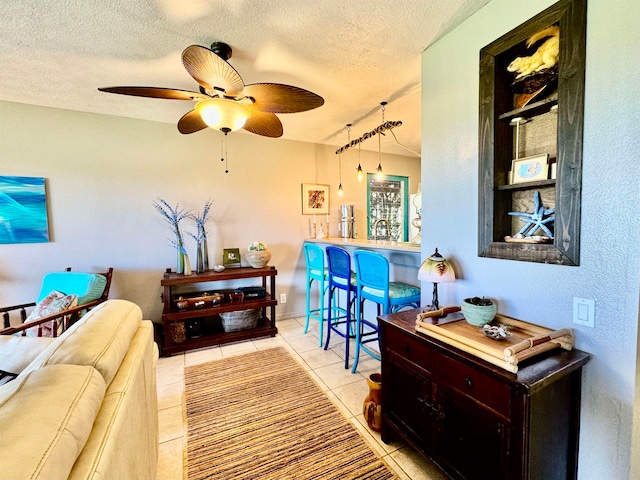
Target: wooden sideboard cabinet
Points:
(475, 420)
(208, 318)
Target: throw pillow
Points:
(55, 302)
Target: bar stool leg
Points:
(359, 303)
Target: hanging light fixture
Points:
(340, 190)
(379, 172)
(360, 175)
(223, 114)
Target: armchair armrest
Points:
(23, 313)
(68, 317)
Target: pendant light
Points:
(359, 174)
(340, 190)
(379, 172)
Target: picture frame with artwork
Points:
(315, 199)
(23, 210)
(231, 257)
(530, 169)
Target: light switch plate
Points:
(584, 312)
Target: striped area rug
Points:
(260, 416)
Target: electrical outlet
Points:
(584, 312)
(283, 298)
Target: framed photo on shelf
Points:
(529, 169)
(231, 257)
(315, 198)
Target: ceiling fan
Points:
(224, 102)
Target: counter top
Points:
(364, 243)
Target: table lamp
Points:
(436, 269)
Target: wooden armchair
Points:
(60, 321)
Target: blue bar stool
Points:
(314, 256)
(341, 278)
(372, 274)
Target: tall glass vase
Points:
(187, 264)
(199, 258)
(179, 262)
(205, 253)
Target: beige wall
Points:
(103, 173)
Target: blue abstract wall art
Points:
(23, 210)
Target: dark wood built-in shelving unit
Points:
(496, 138)
(211, 329)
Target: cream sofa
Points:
(84, 405)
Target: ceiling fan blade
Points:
(211, 71)
(279, 98)
(264, 123)
(156, 92)
(191, 122)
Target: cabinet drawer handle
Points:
(406, 348)
(469, 382)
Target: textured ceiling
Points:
(355, 54)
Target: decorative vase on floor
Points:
(372, 407)
(258, 258)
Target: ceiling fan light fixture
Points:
(223, 114)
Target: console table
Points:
(475, 420)
(211, 329)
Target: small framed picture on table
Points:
(231, 257)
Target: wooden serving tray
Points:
(526, 340)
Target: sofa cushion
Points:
(87, 286)
(18, 352)
(55, 302)
(124, 439)
(46, 418)
(100, 338)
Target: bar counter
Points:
(369, 244)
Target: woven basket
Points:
(240, 320)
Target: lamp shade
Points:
(223, 114)
(436, 269)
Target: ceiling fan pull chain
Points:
(226, 154)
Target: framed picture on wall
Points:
(315, 198)
(388, 199)
(23, 210)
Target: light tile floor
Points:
(345, 389)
